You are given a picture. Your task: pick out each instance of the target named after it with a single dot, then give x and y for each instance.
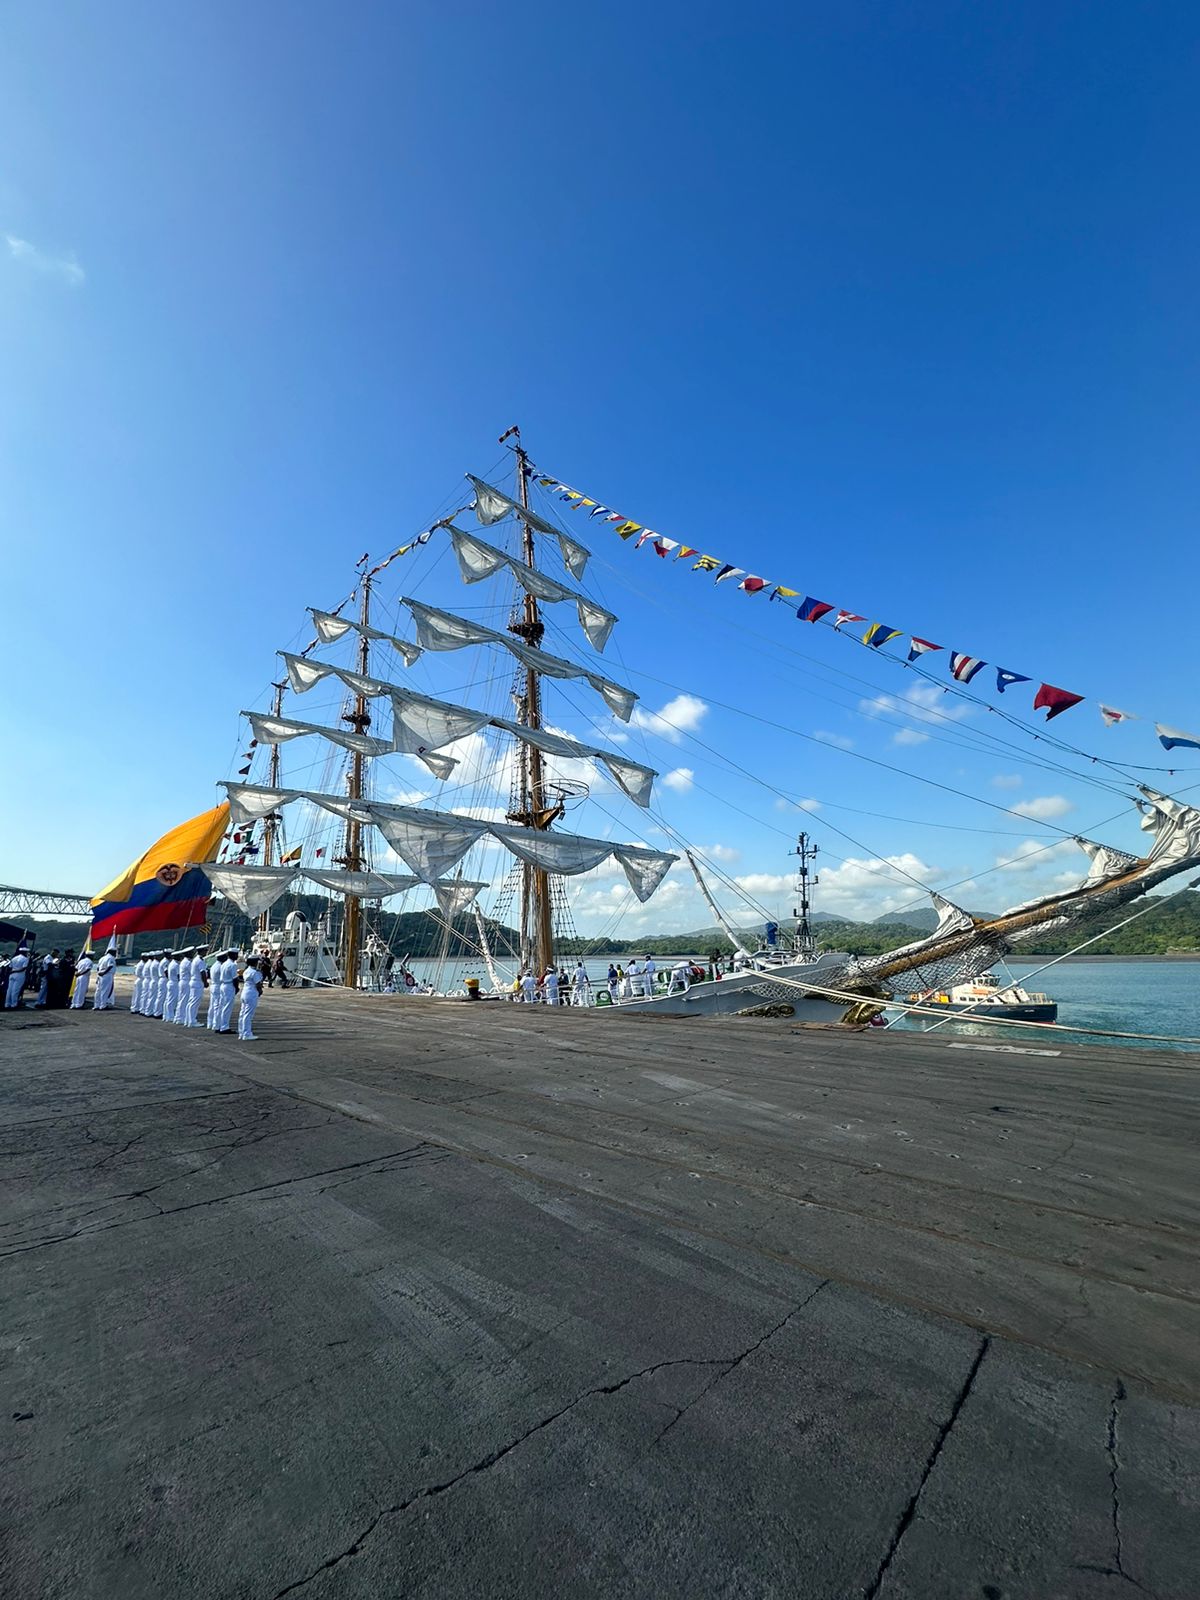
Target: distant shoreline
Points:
(1178, 955)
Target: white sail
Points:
(420, 723)
(432, 843)
(366, 885)
(330, 629)
(304, 673)
(492, 504)
(442, 630)
(252, 889)
(268, 729)
(1106, 862)
(477, 560)
(455, 896)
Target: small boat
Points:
(986, 997)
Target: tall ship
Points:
(359, 794)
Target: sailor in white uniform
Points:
(529, 989)
(550, 982)
(159, 994)
(16, 978)
(649, 968)
(185, 975)
(581, 986)
(83, 979)
(194, 973)
(105, 969)
(681, 977)
(171, 991)
(224, 976)
(135, 1000)
(252, 982)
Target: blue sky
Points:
(895, 305)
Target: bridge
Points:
(43, 903)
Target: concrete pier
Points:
(423, 1299)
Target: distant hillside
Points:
(923, 917)
(1172, 924)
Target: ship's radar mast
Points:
(806, 945)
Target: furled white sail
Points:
(491, 504)
(304, 673)
(420, 723)
(367, 885)
(442, 630)
(575, 555)
(440, 766)
(455, 896)
(1176, 828)
(432, 843)
(477, 560)
(269, 729)
(330, 629)
(1106, 862)
(252, 889)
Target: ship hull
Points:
(746, 991)
(1044, 1012)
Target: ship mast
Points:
(271, 820)
(806, 945)
(352, 857)
(532, 810)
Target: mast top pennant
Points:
(962, 667)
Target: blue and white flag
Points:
(1172, 738)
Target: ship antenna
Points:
(806, 945)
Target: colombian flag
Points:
(164, 888)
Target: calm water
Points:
(1127, 996)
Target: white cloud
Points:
(1044, 807)
(722, 852)
(1031, 855)
(859, 889)
(683, 714)
(797, 805)
(1007, 780)
(679, 778)
(922, 703)
(65, 268)
(761, 883)
(404, 797)
(909, 736)
(838, 740)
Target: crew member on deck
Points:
(18, 969)
(105, 968)
(252, 982)
(83, 979)
(581, 985)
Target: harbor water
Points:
(1140, 996)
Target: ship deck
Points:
(431, 1299)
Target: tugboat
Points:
(986, 997)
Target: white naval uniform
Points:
(633, 980)
(83, 979)
(171, 992)
(552, 988)
(251, 989)
(16, 980)
(681, 979)
(226, 972)
(582, 986)
(648, 972)
(104, 981)
(191, 981)
(139, 977)
(529, 988)
(158, 994)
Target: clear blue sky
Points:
(893, 304)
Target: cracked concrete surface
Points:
(466, 1306)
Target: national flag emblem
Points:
(879, 633)
(810, 610)
(1173, 738)
(728, 571)
(753, 585)
(707, 564)
(964, 668)
(920, 647)
(1004, 679)
(1053, 701)
(1112, 716)
(847, 616)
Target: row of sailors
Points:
(636, 982)
(170, 984)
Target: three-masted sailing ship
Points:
(459, 844)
